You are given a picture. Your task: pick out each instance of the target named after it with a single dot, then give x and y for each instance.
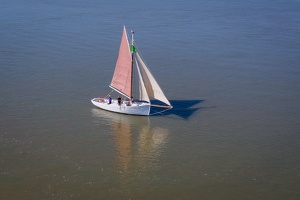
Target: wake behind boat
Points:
(122, 83)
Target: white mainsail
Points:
(151, 85)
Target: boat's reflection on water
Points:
(138, 144)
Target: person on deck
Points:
(119, 100)
(109, 99)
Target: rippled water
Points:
(230, 69)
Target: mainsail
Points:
(122, 78)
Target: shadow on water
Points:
(181, 108)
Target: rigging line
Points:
(109, 93)
(161, 111)
(141, 55)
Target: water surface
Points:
(230, 69)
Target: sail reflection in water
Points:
(123, 140)
(151, 142)
(138, 145)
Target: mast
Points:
(132, 50)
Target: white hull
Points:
(136, 108)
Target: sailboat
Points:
(122, 83)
